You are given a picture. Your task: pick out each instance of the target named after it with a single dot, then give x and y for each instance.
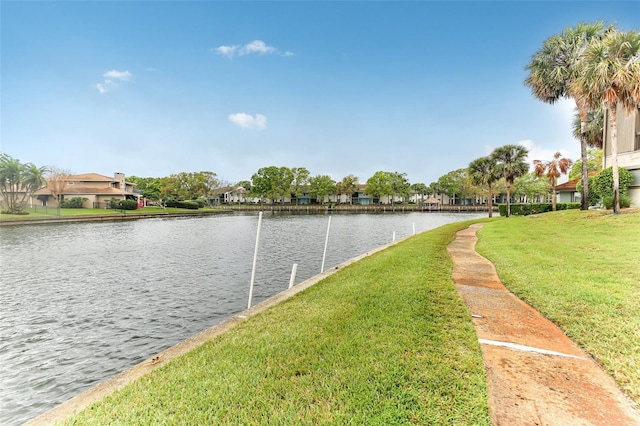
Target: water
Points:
(83, 302)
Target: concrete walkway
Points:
(536, 375)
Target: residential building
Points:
(97, 189)
(628, 147)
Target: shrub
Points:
(73, 203)
(593, 198)
(625, 201)
(128, 204)
(603, 182)
(114, 203)
(193, 205)
(534, 208)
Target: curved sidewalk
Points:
(536, 375)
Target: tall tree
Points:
(379, 184)
(611, 78)
(420, 189)
(510, 160)
(553, 71)
(19, 181)
(321, 186)
(400, 186)
(347, 186)
(552, 169)
(300, 178)
(594, 163)
(484, 171)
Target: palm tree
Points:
(18, 181)
(510, 160)
(552, 169)
(484, 171)
(595, 128)
(553, 70)
(611, 78)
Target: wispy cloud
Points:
(248, 121)
(258, 47)
(109, 84)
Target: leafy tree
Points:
(379, 184)
(19, 181)
(455, 183)
(594, 163)
(348, 185)
(611, 78)
(300, 179)
(510, 160)
(420, 189)
(552, 170)
(272, 182)
(400, 186)
(553, 71)
(321, 186)
(530, 187)
(484, 171)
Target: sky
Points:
(153, 88)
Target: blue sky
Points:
(153, 88)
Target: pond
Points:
(82, 302)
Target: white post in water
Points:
(326, 240)
(414, 228)
(293, 274)
(394, 236)
(255, 256)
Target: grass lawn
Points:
(385, 341)
(582, 271)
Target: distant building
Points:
(97, 189)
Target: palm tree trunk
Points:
(584, 120)
(614, 157)
(508, 199)
(490, 202)
(554, 202)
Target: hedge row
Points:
(193, 205)
(527, 209)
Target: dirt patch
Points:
(536, 375)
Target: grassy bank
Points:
(582, 271)
(384, 341)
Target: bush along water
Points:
(534, 208)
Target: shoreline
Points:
(299, 209)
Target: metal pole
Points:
(293, 274)
(414, 228)
(255, 256)
(394, 236)
(326, 240)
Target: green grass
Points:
(385, 341)
(582, 271)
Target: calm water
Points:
(83, 302)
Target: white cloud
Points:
(226, 50)
(540, 153)
(248, 121)
(255, 47)
(117, 75)
(108, 84)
